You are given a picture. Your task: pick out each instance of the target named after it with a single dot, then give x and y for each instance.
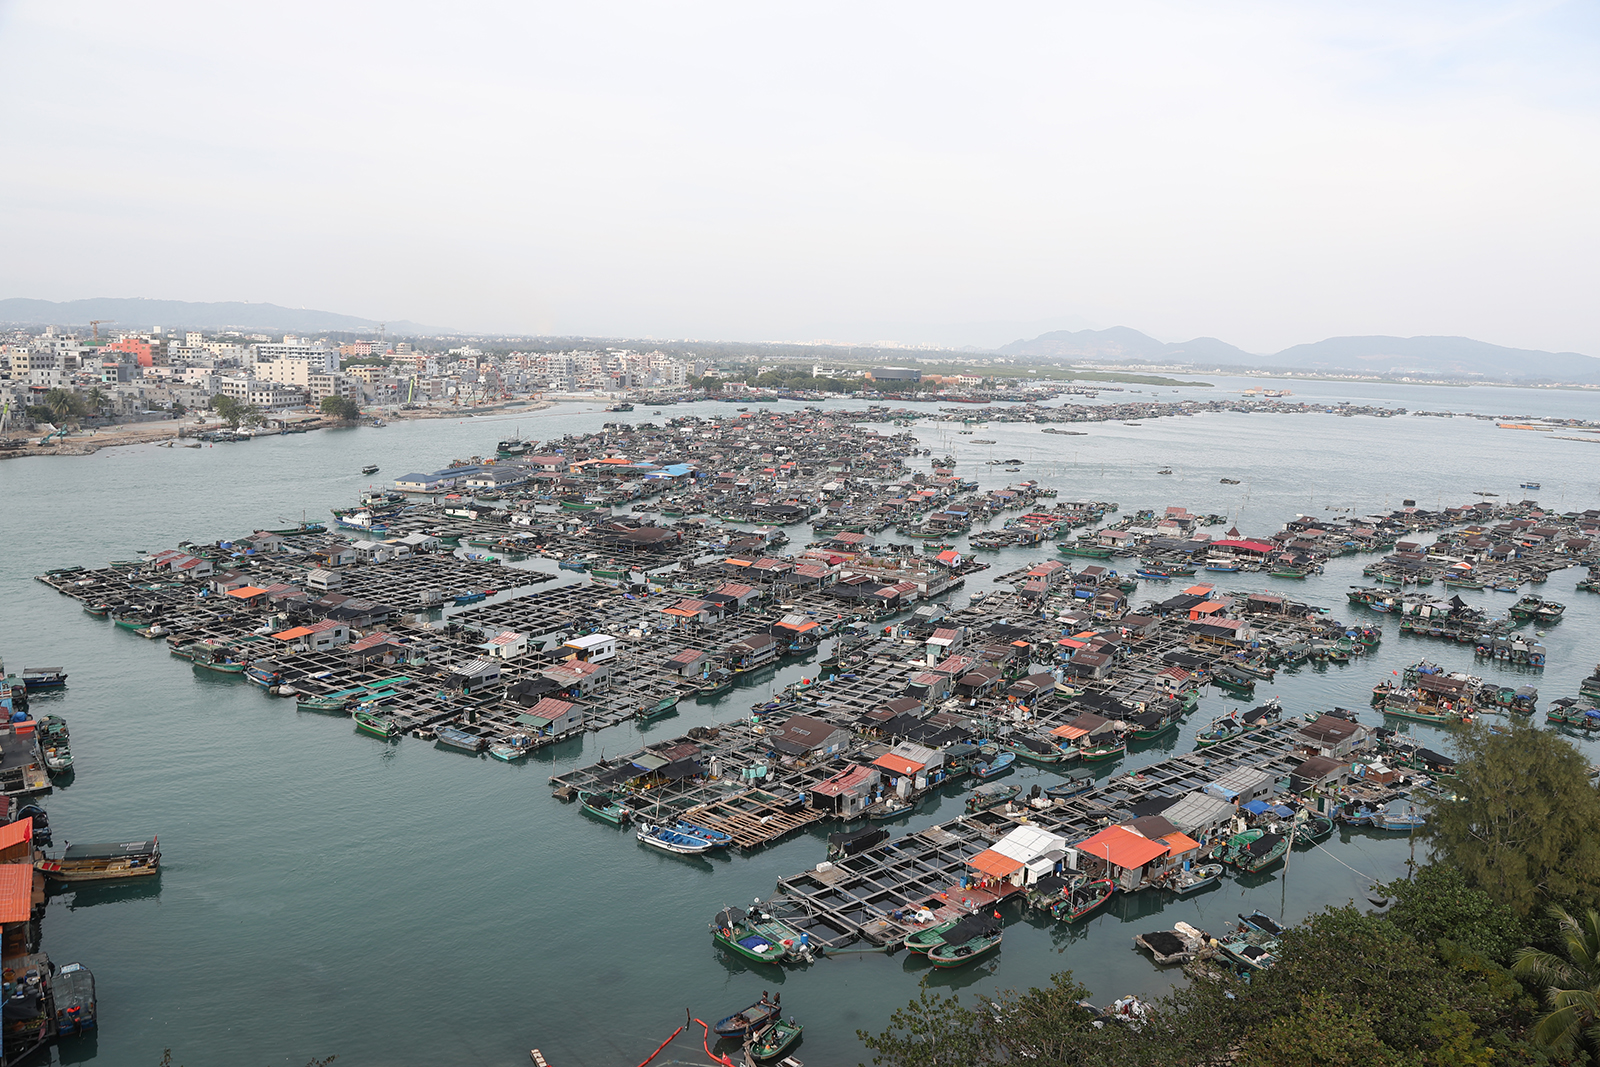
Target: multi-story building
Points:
(319, 356)
(321, 386)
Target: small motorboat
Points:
(1195, 879)
(669, 840)
(1072, 787)
(750, 1019)
(774, 1040)
(73, 987)
(370, 468)
(970, 939)
(717, 838)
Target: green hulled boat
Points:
(380, 726)
(330, 704)
(1084, 551)
(132, 622)
(99, 611)
(932, 937)
(774, 1040)
(1254, 850)
(605, 807)
(967, 941)
(733, 930)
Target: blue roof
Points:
(1257, 807)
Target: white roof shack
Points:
(1037, 850)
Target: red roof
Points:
(16, 892)
(550, 709)
(996, 864)
(15, 833)
(843, 781)
(1248, 546)
(1122, 848)
(896, 764)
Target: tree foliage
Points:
(1570, 980)
(341, 407)
(1437, 905)
(1524, 825)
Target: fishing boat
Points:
(605, 807)
(749, 1020)
(890, 807)
(56, 744)
(572, 565)
(370, 468)
(111, 862)
(995, 766)
(1226, 676)
(73, 991)
(1223, 728)
(1152, 724)
(733, 930)
(1077, 785)
(1254, 850)
(1194, 879)
(330, 704)
(1077, 901)
(220, 666)
(131, 622)
(773, 1040)
(379, 726)
(457, 738)
(98, 610)
(930, 937)
(35, 679)
(970, 939)
(1312, 829)
(669, 840)
(511, 747)
(1262, 922)
(1035, 749)
(991, 795)
(1105, 750)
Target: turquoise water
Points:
(396, 904)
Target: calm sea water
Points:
(395, 904)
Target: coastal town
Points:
(505, 603)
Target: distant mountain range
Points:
(135, 313)
(1436, 357)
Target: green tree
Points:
(1571, 982)
(1524, 824)
(341, 407)
(1320, 1034)
(1437, 906)
(228, 409)
(931, 1031)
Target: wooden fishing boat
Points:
(1193, 880)
(1035, 750)
(733, 930)
(1313, 829)
(991, 795)
(98, 610)
(1079, 900)
(749, 1020)
(379, 726)
(1254, 850)
(112, 862)
(775, 1039)
(605, 807)
(463, 740)
(73, 991)
(331, 704)
(930, 937)
(1223, 728)
(1104, 751)
(512, 747)
(220, 666)
(970, 939)
(1077, 785)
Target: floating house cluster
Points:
(416, 613)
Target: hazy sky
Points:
(1268, 173)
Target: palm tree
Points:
(59, 401)
(96, 400)
(1571, 981)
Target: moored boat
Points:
(605, 807)
(379, 726)
(457, 738)
(1079, 900)
(733, 930)
(775, 1039)
(111, 862)
(970, 939)
(669, 840)
(750, 1019)
(991, 795)
(73, 990)
(1194, 879)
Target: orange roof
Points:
(16, 892)
(16, 833)
(1178, 844)
(290, 635)
(994, 863)
(897, 764)
(1070, 732)
(1122, 848)
(245, 592)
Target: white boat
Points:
(669, 840)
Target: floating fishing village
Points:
(513, 601)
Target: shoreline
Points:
(118, 436)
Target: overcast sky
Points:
(1266, 173)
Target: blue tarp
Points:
(1257, 807)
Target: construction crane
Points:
(96, 324)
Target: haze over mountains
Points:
(1446, 357)
(135, 313)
